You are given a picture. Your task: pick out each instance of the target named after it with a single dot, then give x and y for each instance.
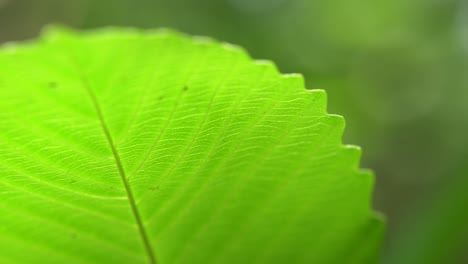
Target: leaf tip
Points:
(232, 47)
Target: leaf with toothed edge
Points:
(128, 146)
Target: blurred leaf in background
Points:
(20, 19)
(397, 70)
(440, 233)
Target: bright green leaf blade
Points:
(122, 147)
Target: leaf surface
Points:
(120, 146)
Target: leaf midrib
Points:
(118, 162)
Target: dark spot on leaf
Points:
(53, 85)
(160, 98)
(185, 88)
(154, 188)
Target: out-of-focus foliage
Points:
(440, 233)
(397, 70)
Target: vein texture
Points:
(128, 189)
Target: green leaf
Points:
(119, 146)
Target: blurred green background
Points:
(396, 69)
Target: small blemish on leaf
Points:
(185, 88)
(53, 85)
(154, 188)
